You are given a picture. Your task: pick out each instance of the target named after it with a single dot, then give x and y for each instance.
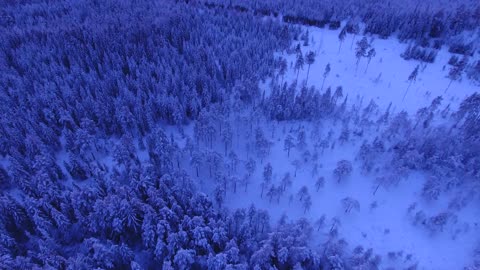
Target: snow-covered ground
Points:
(385, 228)
(386, 78)
(388, 227)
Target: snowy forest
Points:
(240, 134)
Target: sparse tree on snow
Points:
(349, 203)
(411, 78)
(288, 144)
(320, 183)
(341, 37)
(310, 59)
(325, 74)
(344, 169)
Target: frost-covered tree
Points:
(349, 203)
(219, 194)
(234, 181)
(288, 144)
(267, 177)
(325, 75)
(302, 193)
(343, 170)
(309, 59)
(272, 192)
(214, 160)
(184, 259)
(432, 188)
(306, 203)
(250, 166)
(456, 71)
(196, 160)
(286, 181)
(299, 63)
(320, 223)
(233, 160)
(296, 164)
(262, 144)
(438, 222)
(320, 183)
(227, 136)
(301, 139)
(283, 66)
(361, 50)
(341, 37)
(411, 78)
(344, 135)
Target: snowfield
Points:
(385, 79)
(383, 222)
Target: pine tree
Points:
(344, 169)
(307, 203)
(320, 183)
(341, 37)
(325, 74)
(411, 78)
(288, 144)
(456, 71)
(349, 203)
(267, 177)
(300, 62)
(302, 193)
(361, 50)
(286, 181)
(310, 59)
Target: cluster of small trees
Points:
(419, 53)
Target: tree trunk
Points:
(450, 83)
(308, 72)
(368, 63)
(376, 189)
(406, 91)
